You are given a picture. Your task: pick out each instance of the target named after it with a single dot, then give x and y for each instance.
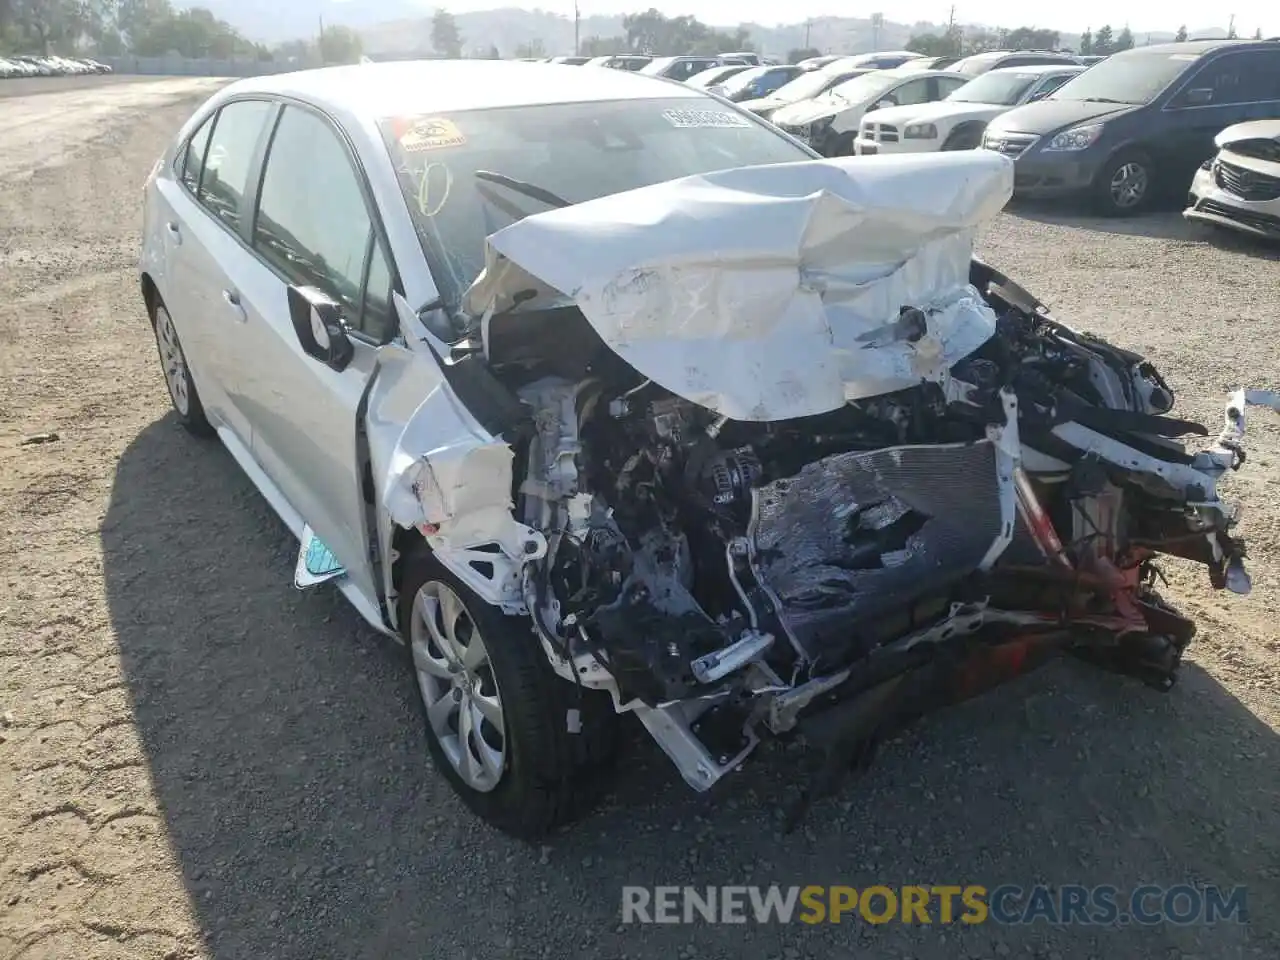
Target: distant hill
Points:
(404, 26)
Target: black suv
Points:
(1138, 123)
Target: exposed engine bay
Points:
(820, 478)
(703, 568)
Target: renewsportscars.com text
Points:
(1063, 905)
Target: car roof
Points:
(1193, 46)
(404, 88)
(1041, 68)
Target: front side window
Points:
(312, 223)
(193, 156)
(534, 156)
(230, 155)
(1247, 77)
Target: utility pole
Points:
(808, 29)
(320, 40)
(1231, 26)
(577, 27)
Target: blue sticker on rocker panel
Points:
(320, 560)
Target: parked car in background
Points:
(885, 59)
(571, 61)
(620, 62)
(817, 63)
(829, 123)
(714, 75)
(12, 67)
(1090, 60)
(1240, 187)
(746, 56)
(958, 121)
(679, 68)
(1139, 123)
(809, 84)
(929, 63)
(980, 63)
(756, 82)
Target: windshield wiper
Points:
(1102, 100)
(520, 186)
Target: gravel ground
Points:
(196, 760)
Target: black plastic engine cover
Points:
(857, 536)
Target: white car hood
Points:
(770, 292)
(1249, 130)
(941, 109)
(806, 111)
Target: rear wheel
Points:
(496, 713)
(177, 375)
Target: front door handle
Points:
(232, 300)
(174, 232)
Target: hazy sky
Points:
(1074, 16)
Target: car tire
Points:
(1125, 184)
(528, 775)
(177, 375)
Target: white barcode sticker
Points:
(704, 118)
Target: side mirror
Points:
(1198, 96)
(1038, 95)
(320, 327)
(885, 104)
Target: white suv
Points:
(957, 122)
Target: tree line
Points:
(150, 28)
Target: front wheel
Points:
(1124, 185)
(497, 715)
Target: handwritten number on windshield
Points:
(435, 182)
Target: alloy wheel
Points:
(1129, 185)
(458, 687)
(173, 361)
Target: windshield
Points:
(716, 74)
(740, 81)
(810, 84)
(999, 86)
(1129, 78)
(575, 151)
(866, 86)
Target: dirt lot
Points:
(196, 760)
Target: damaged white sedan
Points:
(614, 400)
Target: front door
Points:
(313, 227)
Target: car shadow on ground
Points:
(1165, 222)
(287, 756)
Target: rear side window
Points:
(193, 156)
(230, 155)
(313, 224)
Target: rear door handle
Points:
(232, 300)
(174, 232)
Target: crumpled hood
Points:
(770, 292)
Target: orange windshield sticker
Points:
(430, 133)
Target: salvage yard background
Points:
(196, 760)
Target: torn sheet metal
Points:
(768, 293)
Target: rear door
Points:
(204, 235)
(314, 225)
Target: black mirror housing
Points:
(320, 327)
(1198, 96)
